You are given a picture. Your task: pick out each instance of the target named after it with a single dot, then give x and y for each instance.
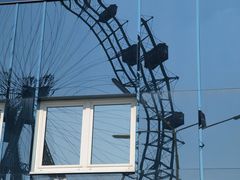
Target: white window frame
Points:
(2, 108)
(85, 165)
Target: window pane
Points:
(63, 136)
(111, 134)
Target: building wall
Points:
(61, 48)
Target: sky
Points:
(175, 24)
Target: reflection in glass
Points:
(111, 134)
(63, 136)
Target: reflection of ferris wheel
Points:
(156, 158)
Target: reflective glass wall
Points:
(173, 23)
(176, 57)
(67, 49)
(219, 27)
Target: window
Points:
(84, 135)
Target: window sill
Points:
(73, 169)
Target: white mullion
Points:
(90, 137)
(85, 136)
(132, 134)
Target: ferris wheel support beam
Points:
(162, 135)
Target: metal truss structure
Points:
(156, 159)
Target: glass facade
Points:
(179, 58)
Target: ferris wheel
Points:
(157, 156)
(138, 67)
